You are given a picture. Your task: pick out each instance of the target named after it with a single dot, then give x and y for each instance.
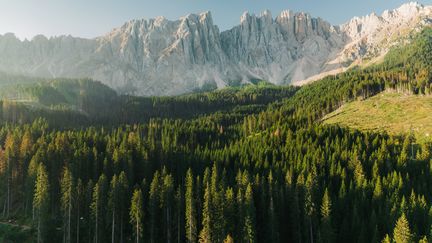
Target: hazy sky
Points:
(91, 18)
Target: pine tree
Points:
(228, 239)
(66, 203)
(326, 224)
(88, 212)
(206, 233)
(272, 231)
(240, 214)
(10, 156)
(377, 193)
(114, 201)
(154, 205)
(190, 212)
(167, 200)
(310, 203)
(99, 200)
(249, 221)
(31, 181)
(386, 239)
(41, 202)
(137, 213)
(230, 212)
(79, 198)
(123, 191)
(216, 206)
(179, 201)
(25, 154)
(402, 232)
(423, 240)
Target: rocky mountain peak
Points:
(164, 57)
(285, 15)
(266, 16)
(244, 17)
(410, 7)
(201, 17)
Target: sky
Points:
(92, 18)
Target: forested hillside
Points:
(247, 164)
(73, 103)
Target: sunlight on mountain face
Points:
(164, 57)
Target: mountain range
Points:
(162, 57)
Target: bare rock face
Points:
(372, 36)
(288, 48)
(163, 57)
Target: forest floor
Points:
(393, 113)
(13, 232)
(12, 224)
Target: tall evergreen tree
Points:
(154, 196)
(326, 222)
(79, 201)
(114, 204)
(41, 203)
(190, 210)
(98, 207)
(228, 239)
(137, 214)
(167, 201)
(206, 233)
(310, 203)
(230, 211)
(123, 192)
(402, 232)
(249, 234)
(386, 239)
(66, 203)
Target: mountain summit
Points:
(164, 57)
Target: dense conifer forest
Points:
(78, 163)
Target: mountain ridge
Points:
(164, 57)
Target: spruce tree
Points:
(402, 232)
(154, 196)
(98, 207)
(310, 203)
(386, 239)
(423, 240)
(190, 212)
(41, 202)
(230, 212)
(137, 214)
(79, 200)
(228, 239)
(66, 203)
(123, 198)
(114, 201)
(249, 234)
(377, 193)
(206, 233)
(167, 200)
(326, 224)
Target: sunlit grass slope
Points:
(391, 112)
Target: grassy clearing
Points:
(390, 112)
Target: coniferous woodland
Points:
(251, 164)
